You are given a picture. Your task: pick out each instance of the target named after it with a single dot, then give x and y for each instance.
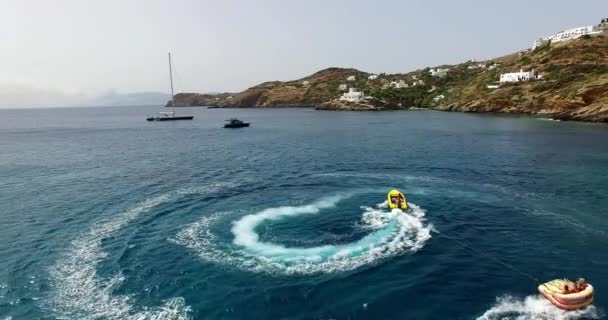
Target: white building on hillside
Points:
(419, 83)
(477, 66)
(353, 96)
(373, 77)
(518, 76)
(343, 87)
(566, 35)
(441, 73)
(398, 85)
(439, 97)
(306, 83)
(351, 78)
(401, 84)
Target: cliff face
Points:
(574, 86)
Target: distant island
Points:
(564, 76)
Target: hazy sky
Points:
(64, 49)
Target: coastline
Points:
(538, 115)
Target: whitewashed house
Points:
(353, 96)
(401, 85)
(518, 76)
(351, 78)
(306, 83)
(419, 83)
(343, 87)
(477, 66)
(439, 97)
(373, 77)
(398, 85)
(441, 73)
(566, 35)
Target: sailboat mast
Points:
(171, 78)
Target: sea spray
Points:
(392, 233)
(533, 308)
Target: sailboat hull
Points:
(170, 118)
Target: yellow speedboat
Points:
(396, 200)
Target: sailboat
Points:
(169, 116)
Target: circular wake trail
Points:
(80, 294)
(391, 233)
(534, 308)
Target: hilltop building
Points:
(373, 77)
(351, 78)
(567, 35)
(353, 96)
(518, 76)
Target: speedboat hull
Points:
(234, 126)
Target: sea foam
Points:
(533, 308)
(79, 293)
(392, 233)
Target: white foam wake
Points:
(393, 233)
(533, 308)
(81, 294)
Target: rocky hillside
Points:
(573, 86)
(306, 92)
(198, 99)
(574, 83)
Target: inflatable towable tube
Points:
(564, 294)
(396, 200)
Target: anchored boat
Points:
(566, 294)
(236, 123)
(396, 200)
(169, 116)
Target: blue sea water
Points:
(107, 216)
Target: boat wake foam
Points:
(80, 294)
(392, 233)
(534, 308)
